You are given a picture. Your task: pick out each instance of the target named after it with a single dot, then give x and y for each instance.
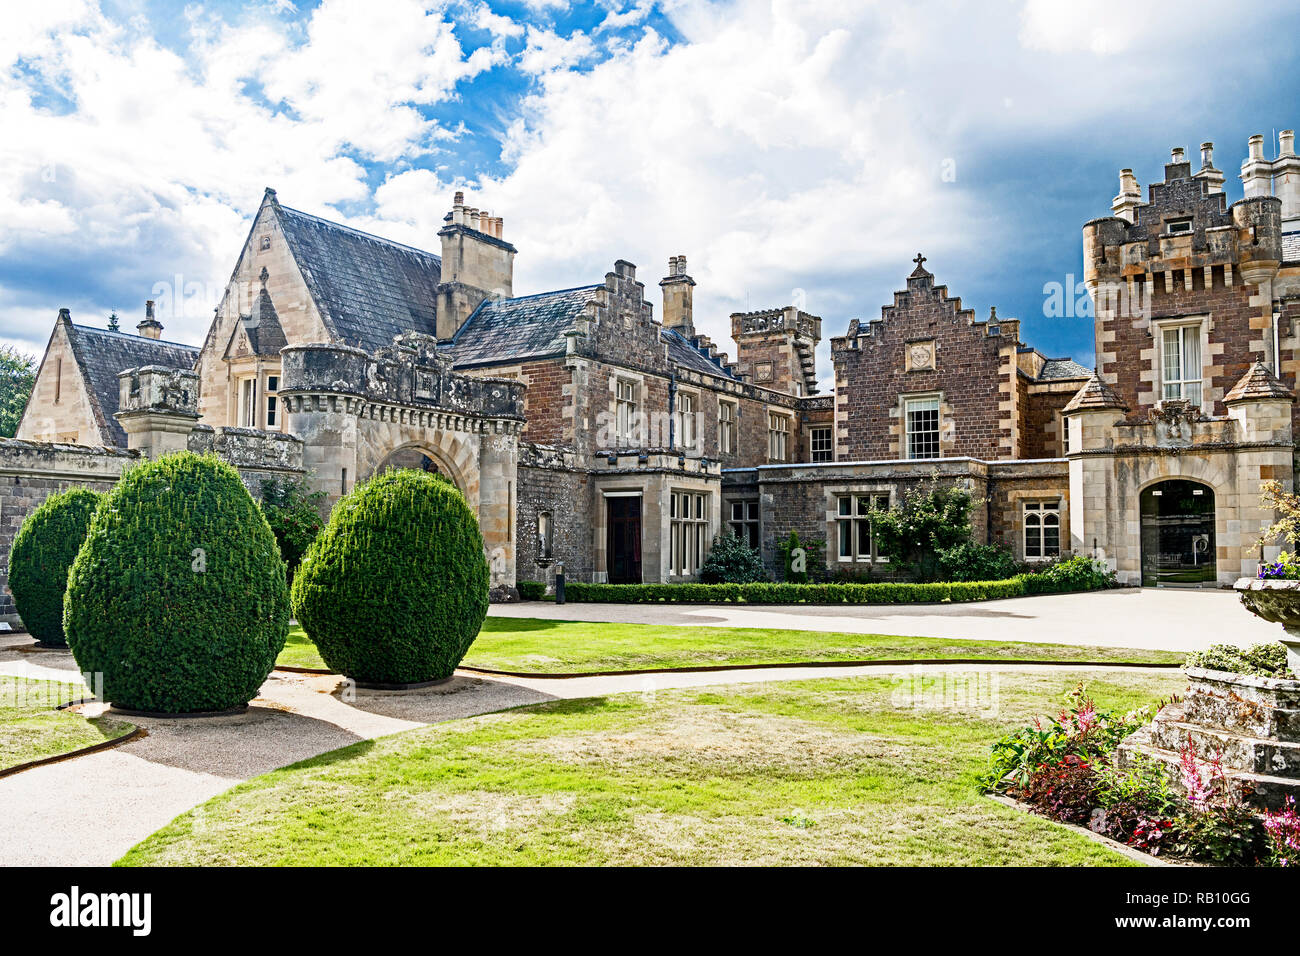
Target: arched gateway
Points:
(1178, 546)
(359, 413)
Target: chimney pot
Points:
(459, 199)
(1207, 155)
(1178, 155)
(1286, 142)
(1257, 146)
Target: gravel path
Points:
(92, 809)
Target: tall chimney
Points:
(678, 297)
(477, 263)
(150, 328)
(1256, 171)
(1130, 196)
(1213, 177)
(1286, 177)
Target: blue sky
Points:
(791, 150)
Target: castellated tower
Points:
(776, 348)
(476, 264)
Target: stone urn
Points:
(1276, 600)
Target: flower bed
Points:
(1065, 768)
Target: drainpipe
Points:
(672, 409)
(1277, 353)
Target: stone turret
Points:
(477, 263)
(775, 348)
(158, 408)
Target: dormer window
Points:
(1179, 227)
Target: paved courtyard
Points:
(1160, 619)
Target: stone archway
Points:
(1178, 534)
(420, 458)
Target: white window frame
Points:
(855, 537)
(689, 540)
(1177, 383)
(727, 427)
(932, 403)
(247, 406)
(271, 399)
(778, 437)
(1037, 517)
(626, 398)
(827, 453)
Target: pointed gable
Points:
(1259, 384)
(1095, 394)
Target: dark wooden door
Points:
(623, 540)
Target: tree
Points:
(113, 324)
(293, 513)
(17, 376)
(732, 561)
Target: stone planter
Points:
(1277, 601)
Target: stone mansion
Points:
(586, 430)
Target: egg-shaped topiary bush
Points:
(178, 597)
(395, 588)
(42, 552)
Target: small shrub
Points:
(532, 590)
(1078, 573)
(812, 549)
(395, 589)
(1063, 791)
(1136, 805)
(1283, 829)
(732, 561)
(1261, 660)
(293, 513)
(969, 561)
(178, 595)
(42, 552)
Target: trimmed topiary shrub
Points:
(42, 552)
(178, 595)
(395, 589)
(532, 590)
(969, 561)
(732, 561)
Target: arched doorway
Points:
(1178, 534)
(418, 458)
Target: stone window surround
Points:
(637, 381)
(256, 368)
(772, 417)
(728, 448)
(1015, 512)
(829, 431)
(1157, 355)
(731, 521)
(945, 422)
(695, 395)
(691, 530)
(1057, 509)
(833, 494)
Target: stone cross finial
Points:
(919, 260)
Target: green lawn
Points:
(811, 772)
(533, 645)
(31, 727)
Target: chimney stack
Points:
(1213, 177)
(150, 328)
(1286, 178)
(477, 263)
(1130, 196)
(678, 297)
(1256, 171)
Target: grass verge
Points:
(809, 772)
(31, 728)
(536, 646)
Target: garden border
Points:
(1137, 856)
(136, 733)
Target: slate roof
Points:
(102, 354)
(265, 334)
(1257, 383)
(685, 353)
(367, 289)
(1056, 369)
(1291, 246)
(527, 326)
(1095, 394)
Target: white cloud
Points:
(547, 51)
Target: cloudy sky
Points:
(793, 151)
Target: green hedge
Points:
(43, 550)
(178, 596)
(785, 593)
(395, 589)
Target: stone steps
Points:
(1252, 754)
(1259, 789)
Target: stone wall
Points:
(32, 471)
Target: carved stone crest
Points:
(1173, 420)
